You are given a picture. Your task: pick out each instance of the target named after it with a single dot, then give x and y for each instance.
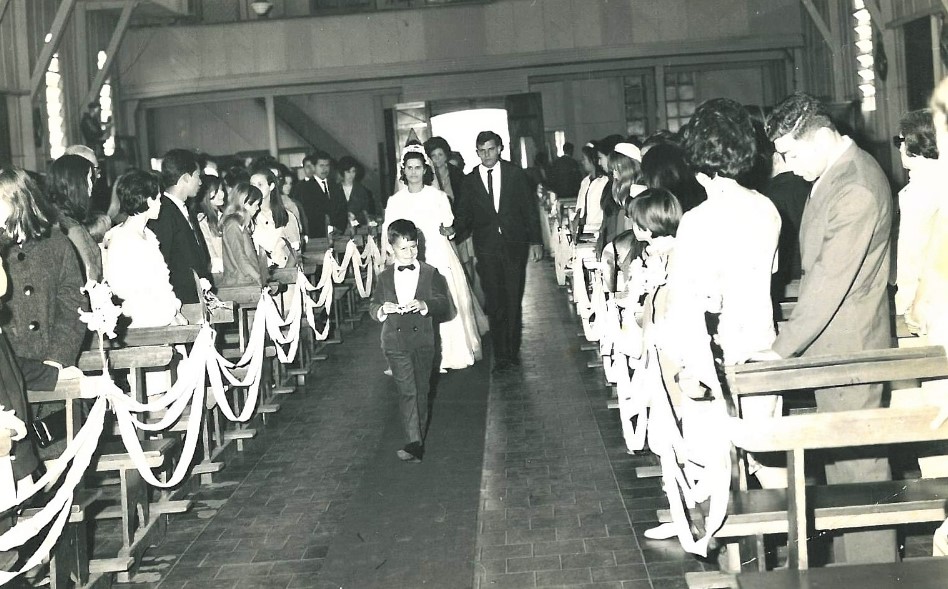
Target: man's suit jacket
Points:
(517, 222)
(411, 331)
(844, 247)
(360, 202)
(183, 249)
(319, 206)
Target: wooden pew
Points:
(916, 573)
(800, 509)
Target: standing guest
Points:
(69, 187)
(919, 203)
(456, 160)
(664, 166)
(447, 178)
(625, 163)
(45, 278)
(206, 210)
(565, 174)
(843, 305)
(134, 267)
(499, 210)
(323, 203)
(429, 210)
(94, 133)
(361, 205)
(181, 244)
(589, 197)
(244, 263)
(410, 296)
(789, 194)
(288, 182)
(276, 231)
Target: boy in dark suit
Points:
(409, 299)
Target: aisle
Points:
(560, 503)
(319, 499)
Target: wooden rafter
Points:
(821, 24)
(46, 54)
(944, 5)
(110, 51)
(873, 7)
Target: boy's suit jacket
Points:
(411, 331)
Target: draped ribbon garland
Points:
(203, 368)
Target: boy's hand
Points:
(391, 308)
(6, 442)
(416, 306)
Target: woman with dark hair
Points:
(428, 208)
(288, 180)
(45, 277)
(447, 178)
(725, 253)
(360, 202)
(244, 263)
(664, 166)
(277, 231)
(589, 198)
(919, 202)
(69, 186)
(134, 266)
(206, 210)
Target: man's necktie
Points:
(490, 187)
(408, 267)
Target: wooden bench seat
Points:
(919, 573)
(835, 507)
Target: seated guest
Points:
(625, 163)
(288, 182)
(664, 166)
(276, 231)
(181, 244)
(244, 263)
(588, 200)
(134, 266)
(69, 186)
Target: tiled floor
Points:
(559, 502)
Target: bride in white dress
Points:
(429, 208)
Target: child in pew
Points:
(409, 298)
(654, 215)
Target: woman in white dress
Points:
(429, 209)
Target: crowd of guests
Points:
(699, 233)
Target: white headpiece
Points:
(416, 148)
(629, 150)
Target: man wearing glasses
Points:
(843, 304)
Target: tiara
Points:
(414, 148)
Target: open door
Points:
(525, 123)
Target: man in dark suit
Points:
(322, 204)
(565, 174)
(498, 208)
(843, 305)
(181, 244)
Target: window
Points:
(865, 62)
(105, 101)
(636, 115)
(679, 99)
(55, 117)
(559, 140)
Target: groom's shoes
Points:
(412, 453)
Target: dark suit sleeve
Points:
(852, 219)
(528, 207)
(464, 209)
(378, 298)
(338, 207)
(439, 305)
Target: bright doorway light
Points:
(460, 130)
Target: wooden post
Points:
(3, 8)
(271, 125)
(660, 97)
(938, 68)
(81, 23)
(21, 113)
(46, 53)
(111, 50)
(798, 555)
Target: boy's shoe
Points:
(411, 453)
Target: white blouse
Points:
(135, 269)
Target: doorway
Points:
(460, 129)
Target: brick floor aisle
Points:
(560, 504)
